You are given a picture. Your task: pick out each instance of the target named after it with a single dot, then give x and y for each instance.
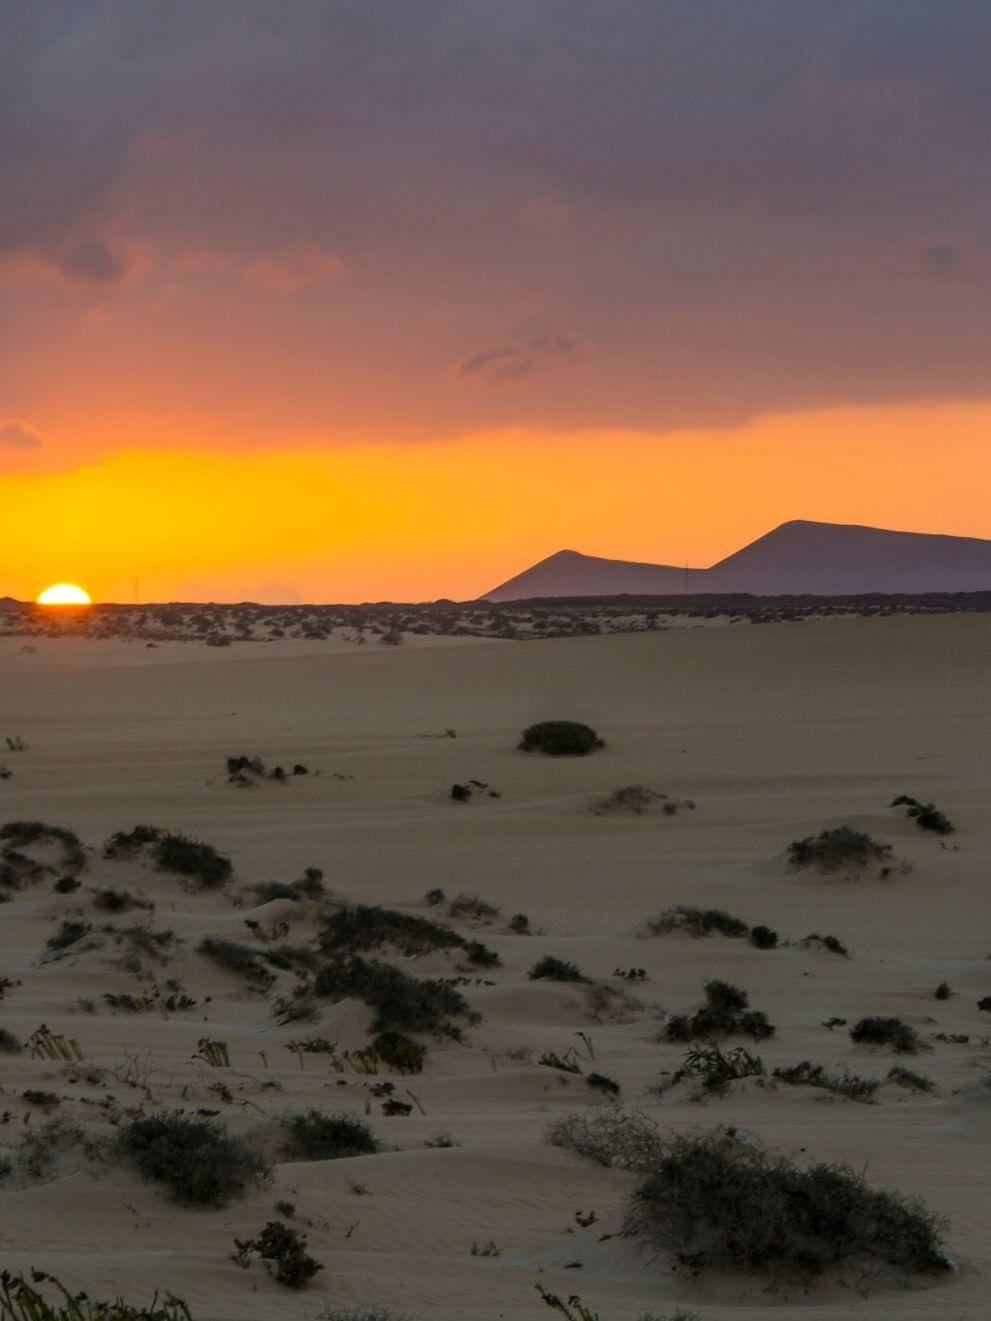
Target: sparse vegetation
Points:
(172, 851)
(318, 1135)
(23, 1301)
(599, 1082)
(560, 738)
(725, 1013)
(283, 1250)
(836, 849)
(402, 1003)
(916, 1082)
(197, 1159)
(638, 799)
(354, 928)
(832, 943)
(763, 937)
(69, 933)
(926, 815)
(622, 1140)
(887, 1032)
(472, 907)
(236, 958)
(696, 922)
(717, 1202)
(550, 969)
(519, 923)
(849, 1085)
(715, 1070)
(9, 1044)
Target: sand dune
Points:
(775, 733)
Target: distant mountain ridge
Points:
(798, 558)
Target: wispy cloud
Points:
(18, 435)
(519, 360)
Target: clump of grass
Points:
(887, 1032)
(354, 928)
(550, 969)
(69, 933)
(927, 816)
(696, 922)
(366, 1311)
(519, 923)
(399, 1052)
(283, 1250)
(9, 1044)
(610, 1137)
(318, 1135)
(724, 1013)
(841, 847)
(807, 1074)
(471, 906)
(763, 937)
(832, 943)
(715, 1202)
(434, 897)
(66, 885)
(560, 738)
(917, 1082)
(310, 885)
(197, 1159)
(269, 890)
(117, 901)
(23, 834)
(600, 1082)
(235, 957)
(172, 851)
(638, 799)
(402, 1003)
(715, 1070)
(21, 1301)
(291, 958)
(943, 991)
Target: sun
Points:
(64, 594)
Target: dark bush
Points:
(763, 937)
(836, 848)
(68, 934)
(808, 1074)
(269, 890)
(551, 969)
(918, 1082)
(191, 857)
(481, 956)
(434, 897)
(715, 1202)
(716, 1070)
(9, 1044)
(402, 1003)
(461, 792)
(317, 1135)
(943, 991)
(291, 958)
(399, 1052)
(887, 1032)
(985, 1003)
(22, 834)
(601, 1083)
(724, 997)
(520, 924)
(697, 922)
(122, 843)
(832, 943)
(235, 958)
(65, 885)
(116, 901)
(354, 928)
(198, 1159)
(560, 738)
(927, 815)
(310, 884)
(470, 906)
(283, 1251)
(725, 1013)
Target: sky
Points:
(388, 299)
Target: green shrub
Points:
(520, 924)
(697, 922)
(399, 1052)
(763, 937)
(402, 1003)
(808, 1074)
(725, 1013)
(172, 851)
(116, 901)
(283, 1250)
(550, 969)
(560, 738)
(943, 991)
(927, 815)
(840, 847)
(715, 1202)
(887, 1032)
(122, 843)
(471, 906)
(198, 1159)
(236, 958)
(21, 1301)
(317, 1135)
(434, 897)
(716, 1070)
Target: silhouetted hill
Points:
(797, 558)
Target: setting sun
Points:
(64, 594)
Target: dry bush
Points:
(623, 1140)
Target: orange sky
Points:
(412, 521)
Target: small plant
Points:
(471, 906)
(917, 1082)
(172, 851)
(763, 937)
(21, 1301)
(551, 969)
(399, 1052)
(9, 1044)
(489, 1249)
(560, 738)
(317, 1135)
(610, 1137)
(69, 933)
(66, 885)
(807, 1074)
(198, 1159)
(716, 1202)
(283, 1250)
(927, 816)
(434, 897)
(402, 1003)
(943, 991)
(834, 849)
(696, 922)
(566, 1063)
(832, 943)
(236, 958)
(725, 1013)
(716, 1070)
(600, 1083)
(520, 924)
(310, 885)
(354, 928)
(887, 1032)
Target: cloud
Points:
(508, 364)
(18, 435)
(943, 260)
(294, 268)
(93, 262)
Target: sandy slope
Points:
(775, 732)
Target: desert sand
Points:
(774, 733)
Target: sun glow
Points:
(64, 594)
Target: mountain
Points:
(798, 558)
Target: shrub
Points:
(601, 1083)
(906, 1078)
(235, 958)
(807, 1074)
(943, 991)
(470, 906)
(832, 943)
(399, 1052)
(269, 890)
(520, 924)
(122, 843)
(283, 1251)
(65, 885)
(365, 1312)
(317, 1135)
(9, 1044)
(354, 928)
(836, 848)
(724, 1013)
(68, 934)
(310, 884)
(198, 1159)
(481, 956)
(560, 738)
(927, 815)
(191, 857)
(635, 798)
(402, 1003)
(610, 1137)
(887, 1032)
(715, 1070)
(434, 897)
(551, 969)
(21, 1301)
(697, 922)
(116, 901)
(22, 834)
(715, 1202)
(763, 937)
(985, 1003)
